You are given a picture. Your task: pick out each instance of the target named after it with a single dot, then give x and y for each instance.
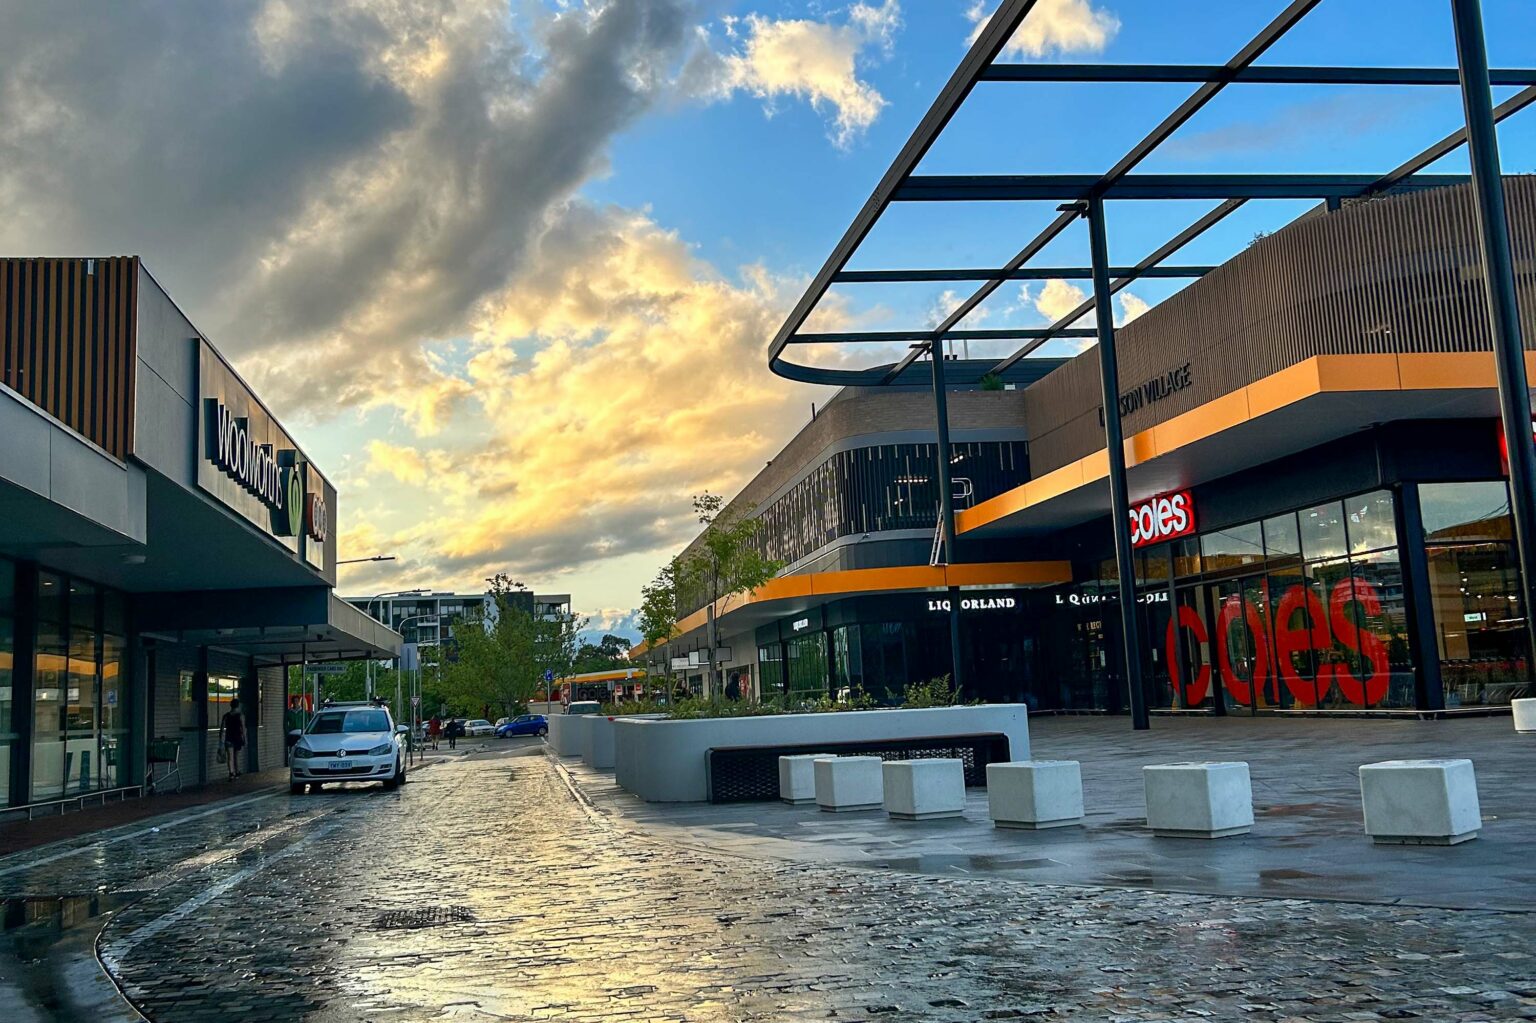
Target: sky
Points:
(508, 268)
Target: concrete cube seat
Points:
(1035, 794)
(1525, 714)
(797, 777)
(1420, 802)
(848, 783)
(924, 790)
(1198, 800)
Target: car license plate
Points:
(341, 765)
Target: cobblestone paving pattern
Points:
(484, 891)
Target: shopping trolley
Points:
(165, 754)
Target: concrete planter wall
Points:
(664, 761)
(566, 732)
(596, 743)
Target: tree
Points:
(725, 560)
(607, 654)
(658, 607)
(500, 660)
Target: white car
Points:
(349, 742)
(479, 727)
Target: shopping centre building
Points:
(167, 545)
(1320, 510)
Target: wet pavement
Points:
(1308, 838)
(485, 890)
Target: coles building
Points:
(165, 545)
(1321, 515)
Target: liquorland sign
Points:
(250, 464)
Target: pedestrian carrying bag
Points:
(221, 756)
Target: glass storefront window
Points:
(1479, 627)
(1371, 524)
(808, 666)
(1233, 547)
(185, 690)
(1282, 538)
(1379, 615)
(48, 709)
(222, 691)
(1186, 557)
(7, 676)
(1465, 512)
(1322, 531)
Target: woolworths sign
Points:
(247, 462)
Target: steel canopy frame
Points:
(1084, 196)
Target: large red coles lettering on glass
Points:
(1310, 632)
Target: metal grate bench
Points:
(744, 774)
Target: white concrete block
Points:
(1420, 802)
(1525, 714)
(1035, 794)
(848, 783)
(797, 778)
(1198, 800)
(923, 790)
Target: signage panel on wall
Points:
(1165, 517)
(248, 463)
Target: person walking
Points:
(232, 736)
(435, 730)
(454, 729)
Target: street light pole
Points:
(1499, 279)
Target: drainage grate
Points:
(415, 919)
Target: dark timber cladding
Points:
(69, 342)
(1398, 274)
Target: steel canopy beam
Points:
(1032, 273)
(1256, 75)
(1007, 18)
(1063, 326)
(891, 336)
(1080, 187)
(989, 43)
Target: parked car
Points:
(585, 707)
(478, 727)
(357, 742)
(527, 724)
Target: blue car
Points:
(527, 724)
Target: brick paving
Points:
(485, 891)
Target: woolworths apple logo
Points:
(293, 503)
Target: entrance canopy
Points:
(275, 626)
(1076, 192)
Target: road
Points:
(484, 890)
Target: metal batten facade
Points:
(1084, 196)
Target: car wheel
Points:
(393, 781)
(403, 776)
(296, 788)
(543, 731)
(315, 786)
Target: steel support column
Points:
(946, 505)
(1499, 278)
(1114, 446)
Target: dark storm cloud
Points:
(349, 178)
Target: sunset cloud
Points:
(1054, 26)
(816, 61)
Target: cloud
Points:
(1054, 26)
(1058, 298)
(817, 61)
(645, 382)
(1131, 306)
(1342, 115)
(333, 181)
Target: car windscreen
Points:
(350, 721)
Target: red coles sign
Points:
(1305, 634)
(1162, 518)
